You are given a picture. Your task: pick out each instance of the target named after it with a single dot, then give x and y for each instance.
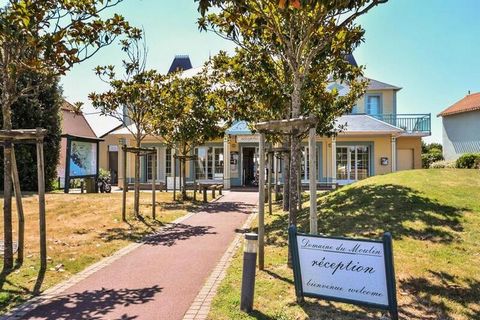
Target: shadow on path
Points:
(95, 304)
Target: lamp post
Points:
(248, 276)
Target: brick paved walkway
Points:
(161, 278)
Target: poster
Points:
(83, 158)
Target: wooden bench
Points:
(213, 187)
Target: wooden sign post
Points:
(349, 270)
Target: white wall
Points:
(461, 134)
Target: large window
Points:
(168, 162)
(150, 159)
(353, 163)
(209, 164)
(373, 105)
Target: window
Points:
(209, 163)
(373, 104)
(168, 162)
(150, 159)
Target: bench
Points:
(213, 187)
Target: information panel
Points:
(357, 271)
(83, 158)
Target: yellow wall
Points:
(388, 97)
(414, 143)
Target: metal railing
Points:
(411, 123)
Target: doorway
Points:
(113, 164)
(249, 164)
(353, 163)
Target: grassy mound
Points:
(434, 216)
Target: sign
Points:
(248, 138)
(83, 158)
(356, 271)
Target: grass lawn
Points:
(434, 216)
(81, 230)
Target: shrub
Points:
(468, 161)
(443, 164)
(434, 155)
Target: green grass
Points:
(434, 216)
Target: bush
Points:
(443, 164)
(468, 161)
(434, 155)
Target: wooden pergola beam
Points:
(22, 134)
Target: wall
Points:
(461, 134)
(388, 101)
(414, 143)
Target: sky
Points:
(430, 48)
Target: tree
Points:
(132, 99)
(306, 42)
(48, 38)
(189, 114)
(41, 110)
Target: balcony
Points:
(411, 123)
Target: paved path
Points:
(160, 279)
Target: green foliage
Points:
(433, 155)
(468, 161)
(103, 174)
(41, 110)
(190, 111)
(427, 147)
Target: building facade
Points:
(460, 127)
(377, 140)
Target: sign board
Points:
(356, 271)
(83, 158)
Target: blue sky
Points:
(430, 48)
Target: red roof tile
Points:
(471, 102)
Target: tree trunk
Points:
(7, 187)
(136, 203)
(21, 216)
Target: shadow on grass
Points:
(94, 304)
(425, 292)
(371, 210)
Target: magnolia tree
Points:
(131, 99)
(189, 114)
(47, 38)
(297, 48)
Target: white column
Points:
(312, 154)
(334, 160)
(226, 162)
(394, 153)
(158, 163)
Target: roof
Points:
(351, 59)
(362, 123)
(74, 122)
(180, 63)
(378, 85)
(123, 130)
(471, 102)
(67, 106)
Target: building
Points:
(460, 127)
(74, 124)
(377, 140)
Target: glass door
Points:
(353, 163)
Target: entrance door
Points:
(249, 166)
(113, 165)
(353, 163)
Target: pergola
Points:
(8, 138)
(296, 126)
